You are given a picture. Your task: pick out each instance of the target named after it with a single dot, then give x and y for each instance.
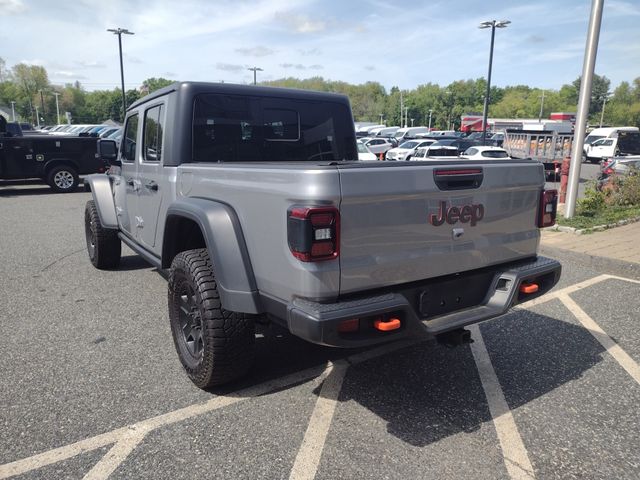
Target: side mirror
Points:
(108, 152)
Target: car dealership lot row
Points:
(91, 385)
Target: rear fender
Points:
(103, 198)
(225, 242)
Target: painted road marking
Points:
(308, 457)
(514, 452)
(115, 436)
(118, 453)
(615, 350)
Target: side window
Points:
(129, 139)
(153, 128)
(607, 143)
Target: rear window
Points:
(443, 152)
(495, 154)
(234, 128)
(629, 142)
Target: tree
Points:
(599, 91)
(152, 84)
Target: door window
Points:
(153, 128)
(129, 139)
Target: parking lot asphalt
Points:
(91, 387)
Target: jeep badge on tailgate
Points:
(471, 214)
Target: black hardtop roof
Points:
(190, 89)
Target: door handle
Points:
(153, 186)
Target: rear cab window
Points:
(234, 128)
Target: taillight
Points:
(313, 233)
(548, 208)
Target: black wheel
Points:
(63, 179)
(215, 346)
(103, 245)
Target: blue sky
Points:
(403, 43)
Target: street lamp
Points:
(381, 117)
(13, 110)
(493, 24)
(37, 117)
(604, 104)
(430, 112)
(120, 31)
(254, 70)
(57, 108)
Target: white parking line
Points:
(619, 355)
(308, 458)
(514, 452)
(118, 453)
(115, 436)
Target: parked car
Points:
(618, 166)
(377, 145)
(497, 139)
(462, 144)
(108, 131)
(405, 150)
(364, 153)
(409, 133)
(482, 152)
(252, 206)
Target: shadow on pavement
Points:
(427, 392)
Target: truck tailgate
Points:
(402, 223)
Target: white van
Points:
(603, 142)
(408, 133)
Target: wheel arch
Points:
(56, 162)
(199, 223)
(103, 199)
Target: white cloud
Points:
(258, 51)
(12, 7)
(229, 67)
(301, 23)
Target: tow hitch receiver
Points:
(455, 338)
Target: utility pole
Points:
(44, 110)
(13, 110)
(590, 51)
(604, 104)
(37, 117)
(57, 108)
(430, 111)
(406, 114)
(412, 122)
(401, 108)
(254, 70)
(120, 31)
(541, 107)
(381, 116)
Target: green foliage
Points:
(627, 189)
(607, 216)
(369, 101)
(593, 202)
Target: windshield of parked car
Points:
(592, 138)
(410, 144)
(240, 128)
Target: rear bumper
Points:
(424, 308)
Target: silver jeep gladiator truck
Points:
(253, 201)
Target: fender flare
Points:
(54, 162)
(103, 198)
(225, 242)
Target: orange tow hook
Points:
(391, 324)
(526, 287)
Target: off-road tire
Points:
(222, 342)
(63, 179)
(103, 245)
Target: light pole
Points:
(13, 110)
(57, 108)
(493, 24)
(381, 117)
(254, 70)
(412, 122)
(406, 114)
(37, 117)
(120, 31)
(430, 112)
